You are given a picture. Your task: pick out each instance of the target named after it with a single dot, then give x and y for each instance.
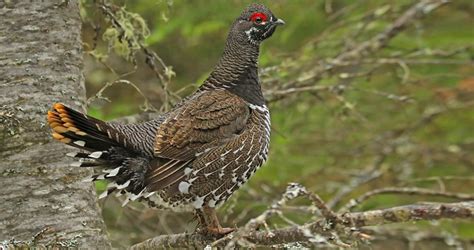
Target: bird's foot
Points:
(209, 224)
(220, 230)
(216, 231)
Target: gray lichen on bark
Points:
(40, 63)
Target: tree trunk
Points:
(40, 63)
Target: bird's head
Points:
(256, 23)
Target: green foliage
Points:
(127, 36)
(125, 31)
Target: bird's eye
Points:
(258, 17)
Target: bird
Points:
(195, 156)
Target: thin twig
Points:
(353, 203)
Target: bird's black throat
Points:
(248, 87)
(237, 70)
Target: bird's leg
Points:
(213, 225)
(199, 215)
(210, 223)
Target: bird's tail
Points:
(82, 131)
(102, 145)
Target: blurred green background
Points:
(401, 117)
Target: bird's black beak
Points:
(279, 22)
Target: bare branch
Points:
(373, 172)
(99, 95)
(432, 211)
(379, 41)
(404, 190)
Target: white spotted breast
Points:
(219, 171)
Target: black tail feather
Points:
(107, 148)
(82, 131)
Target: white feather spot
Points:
(114, 172)
(198, 202)
(71, 154)
(212, 203)
(244, 174)
(103, 194)
(100, 177)
(202, 152)
(124, 185)
(125, 202)
(76, 164)
(96, 154)
(184, 187)
(111, 185)
(149, 194)
(88, 179)
(262, 108)
(209, 163)
(136, 196)
(239, 149)
(187, 171)
(225, 153)
(80, 143)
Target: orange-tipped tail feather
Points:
(82, 131)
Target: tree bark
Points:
(40, 63)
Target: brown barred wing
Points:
(211, 117)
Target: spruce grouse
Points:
(195, 156)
